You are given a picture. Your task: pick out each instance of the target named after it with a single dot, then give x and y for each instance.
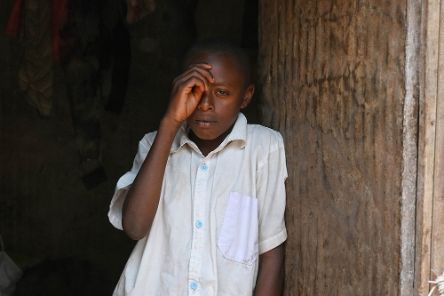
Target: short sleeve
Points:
(123, 184)
(272, 173)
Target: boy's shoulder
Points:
(261, 129)
(147, 139)
(262, 136)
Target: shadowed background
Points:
(54, 197)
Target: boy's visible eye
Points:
(222, 92)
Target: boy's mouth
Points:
(204, 123)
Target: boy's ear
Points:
(249, 91)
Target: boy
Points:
(207, 194)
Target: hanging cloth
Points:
(58, 19)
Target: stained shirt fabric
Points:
(216, 215)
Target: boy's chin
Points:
(203, 136)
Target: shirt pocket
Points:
(238, 236)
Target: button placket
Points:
(199, 198)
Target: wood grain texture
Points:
(333, 84)
(438, 204)
(429, 148)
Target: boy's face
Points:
(219, 106)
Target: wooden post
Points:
(438, 202)
(430, 206)
(333, 76)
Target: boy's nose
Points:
(206, 102)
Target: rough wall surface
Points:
(333, 84)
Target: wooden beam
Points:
(426, 145)
(437, 245)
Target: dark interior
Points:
(109, 87)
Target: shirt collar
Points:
(237, 134)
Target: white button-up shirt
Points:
(216, 215)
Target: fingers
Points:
(189, 83)
(204, 69)
(194, 85)
(185, 96)
(201, 71)
(188, 89)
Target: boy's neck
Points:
(206, 146)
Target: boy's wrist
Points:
(169, 124)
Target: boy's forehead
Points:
(222, 62)
(222, 58)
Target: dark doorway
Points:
(53, 221)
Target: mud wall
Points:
(333, 84)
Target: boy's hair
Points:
(226, 48)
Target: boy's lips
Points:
(204, 122)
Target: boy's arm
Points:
(270, 279)
(143, 197)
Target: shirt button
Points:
(199, 224)
(193, 285)
(204, 167)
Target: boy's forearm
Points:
(141, 203)
(270, 278)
